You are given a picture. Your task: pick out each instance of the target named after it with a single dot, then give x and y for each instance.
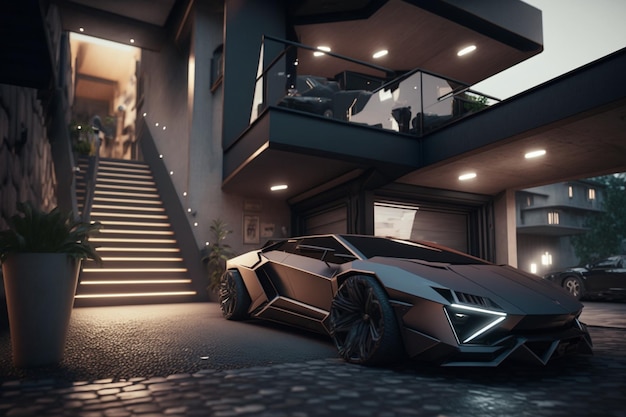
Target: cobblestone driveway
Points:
(325, 386)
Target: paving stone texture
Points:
(184, 360)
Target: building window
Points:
(592, 194)
(553, 217)
(570, 191)
(217, 67)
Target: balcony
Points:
(345, 118)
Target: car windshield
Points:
(371, 247)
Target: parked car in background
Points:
(382, 300)
(603, 279)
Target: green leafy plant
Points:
(474, 103)
(83, 147)
(36, 231)
(218, 253)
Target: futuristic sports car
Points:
(382, 300)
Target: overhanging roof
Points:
(579, 118)
(310, 153)
(424, 34)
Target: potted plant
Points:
(217, 254)
(41, 254)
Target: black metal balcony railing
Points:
(414, 102)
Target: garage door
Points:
(445, 227)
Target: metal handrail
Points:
(90, 178)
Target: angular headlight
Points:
(468, 323)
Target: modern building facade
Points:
(278, 118)
(547, 216)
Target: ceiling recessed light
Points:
(279, 187)
(81, 29)
(467, 176)
(321, 50)
(380, 54)
(466, 50)
(535, 154)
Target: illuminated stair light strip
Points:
(138, 224)
(137, 281)
(110, 270)
(97, 214)
(112, 165)
(115, 249)
(122, 240)
(112, 181)
(138, 232)
(121, 187)
(128, 200)
(130, 168)
(102, 174)
(102, 206)
(139, 259)
(131, 171)
(123, 194)
(139, 294)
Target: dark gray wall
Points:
(246, 23)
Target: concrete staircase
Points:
(141, 258)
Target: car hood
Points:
(515, 291)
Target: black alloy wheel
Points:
(233, 296)
(363, 324)
(574, 286)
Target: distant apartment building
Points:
(547, 217)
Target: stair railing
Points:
(90, 178)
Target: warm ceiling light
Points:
(82, 29)
(321, 50)
(279, 187)
(535, 154)
(466, 50)
(80, 37)
(380, 54)
(467, 176)
(132, 40)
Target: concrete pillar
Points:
(505, 228)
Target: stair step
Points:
(141, 259)
(108, 299)
(125, 188)
(109, 193)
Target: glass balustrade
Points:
(310, 80)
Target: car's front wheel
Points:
(574, 286)
(362, 323)
(233, 296)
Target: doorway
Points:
(104, 75)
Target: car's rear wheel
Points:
(233, 296)
(363, 324)
(574, 286)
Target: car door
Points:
(310, 268)
(616, 277)
(604, 275)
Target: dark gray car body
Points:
(602, 279)
(451, 308)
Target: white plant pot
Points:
(40, 290)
